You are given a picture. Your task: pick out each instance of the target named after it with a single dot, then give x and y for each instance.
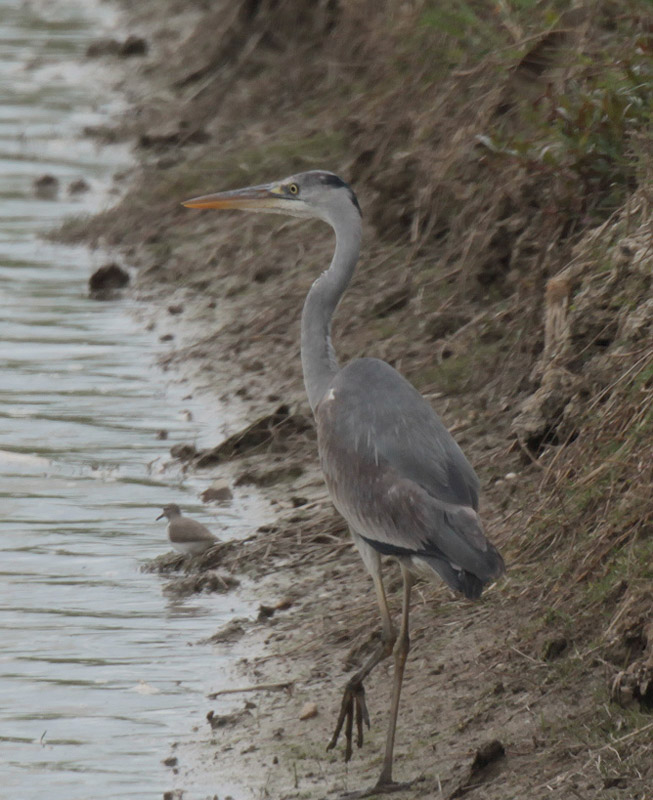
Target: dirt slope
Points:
(502, 156)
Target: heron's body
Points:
(393, 470)
(398, 477)
(186, 535)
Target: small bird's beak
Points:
(268, 197)
(160, 516)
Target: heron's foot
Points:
(380, 788)
(353, 706)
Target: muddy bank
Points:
(506, 272)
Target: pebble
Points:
(309, 710)
(219, 492)
(46, 187)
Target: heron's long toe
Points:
(353, 705)
(376, 790)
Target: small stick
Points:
(627, 736)
(261, 687)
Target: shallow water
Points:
(97, 678)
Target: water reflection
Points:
(98, 672)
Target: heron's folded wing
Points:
(374, 413)
(404, 520)
(396, 474)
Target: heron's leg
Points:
(400, 654)
(353, 699)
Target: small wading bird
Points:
(186, 535)
(393, 470)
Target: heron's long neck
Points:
(318, 356)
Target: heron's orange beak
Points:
(254, 198)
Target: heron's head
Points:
(308, 194)
(170, 511)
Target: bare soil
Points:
(507, 273)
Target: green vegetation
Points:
(583, 136)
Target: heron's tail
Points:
(458, 579)
(459, 551)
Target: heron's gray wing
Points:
(397, 475)
(378, 410)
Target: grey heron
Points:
(186, 535)
(393, 470)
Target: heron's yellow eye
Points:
(293, 188)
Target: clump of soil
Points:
(269, 432)
(46, 187)
(107, 281)
(133, 45)
(204, 581)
